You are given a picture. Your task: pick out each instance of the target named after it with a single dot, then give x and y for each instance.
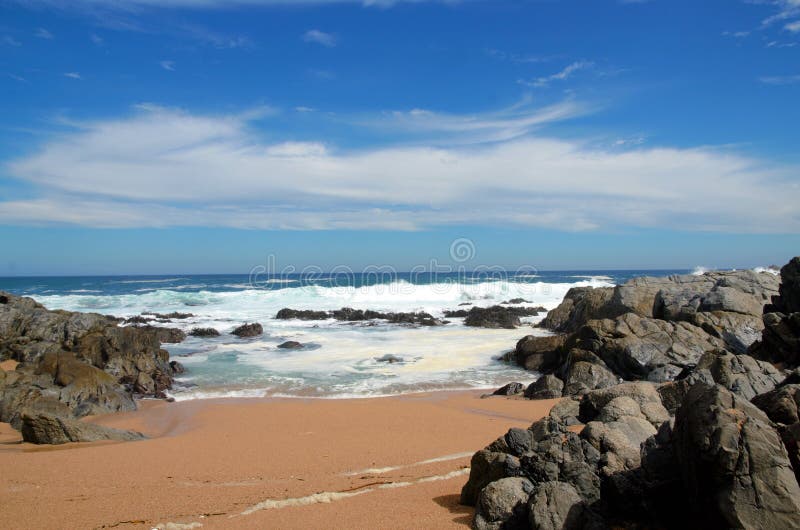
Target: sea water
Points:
(339, 359)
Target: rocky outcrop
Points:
(497, 316)
(781, 406)
(44, 428)
(546, 387)
(75, 364)
(511, 389)
(780, 340)
(204, 332)
(290, 345)
(650, 329)
(248, 330)
(723, 464)
(733, 465)
(167, 335)
(348, 314)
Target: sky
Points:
(202, 136)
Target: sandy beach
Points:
(263, 463)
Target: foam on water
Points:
(339, 359)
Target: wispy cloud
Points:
(794, 27)
(736, 34)
(11, 41)
(303, 109)
(780, 79)
(167, 167)
(209, 4)
(73, 75)
(517, 57)
(96, 39)
(168, 65)
(566, 73)
(42, 33)
(17, 78)
(320, 37)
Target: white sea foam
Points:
(341, 359)
(699, 271)
(770, 270)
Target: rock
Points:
(511, 389)
(49, 429)
(248, 330)
(556, 506)
(170, 316)
(167, 335)
(289, 314)
(546, 387)
(789, 291)
(781, 404)
(204, 332)
(780, 339)
(485, 467)
(389, 358)
(138, 319)
(641, 392)
(503, 504)
(86, 390)
(740, 374)
(580, 305)
(734, 467)
(177, 368)
(290, 345)
(584, 376)
(619, 407)
(566, 411)
(516, 301)
(492, 317)
(540, 354)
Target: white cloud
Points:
(563, 75)
(96, 39)
(18, 78)
(73, 75)
(168, 65)
(780, 79)
(794, 27)
(42, 33)
(11, 41)
(320, 37)
(165, 167)
(303, 109)
(213, 4)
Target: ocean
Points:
(339, 359)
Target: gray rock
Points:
(740, 374)
(48, 429)
(290, 345)
(640, 392)
(546, 387)
(510, 389)
(503, 504)
(556, 506)
(584, 376)
(204, 332)
(566, 411)
(485, 467)
(540, 354)
(734, 468)
(248, 330)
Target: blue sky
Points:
(201, 136)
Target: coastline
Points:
(222, 462)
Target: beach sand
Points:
(394, 462)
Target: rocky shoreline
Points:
(679, 409)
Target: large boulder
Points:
(487, 466)
(557, 506)
(539, 354)
(43, 428)
(503, 504)
(582, 376)
(248, 330)
(740, 374)
(734, 468)
(789, 291)
(580, 305)
(781, 406)
(642, 393)
(546, 387)
(780, 339)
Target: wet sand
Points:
(394, 462)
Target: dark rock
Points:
(583, 376)
(780, 340)
(557, 506)
(460, 313)
(540, 354)
(170, 316)
(497, 316)
(580, 305)
(740, 374)
(138, 319)
(177, 368)
(789, 291)
(389, 358)
(204, 332)
(503, 504)
(48, 429)
(546, 387)
(511, 389)
(299, 314)
(248, 330)
(644, 394)
(517, 301)
(486, 467)
(734, 467)
(781, 404)
(566, 411)
(290, 345)
(167, 335)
